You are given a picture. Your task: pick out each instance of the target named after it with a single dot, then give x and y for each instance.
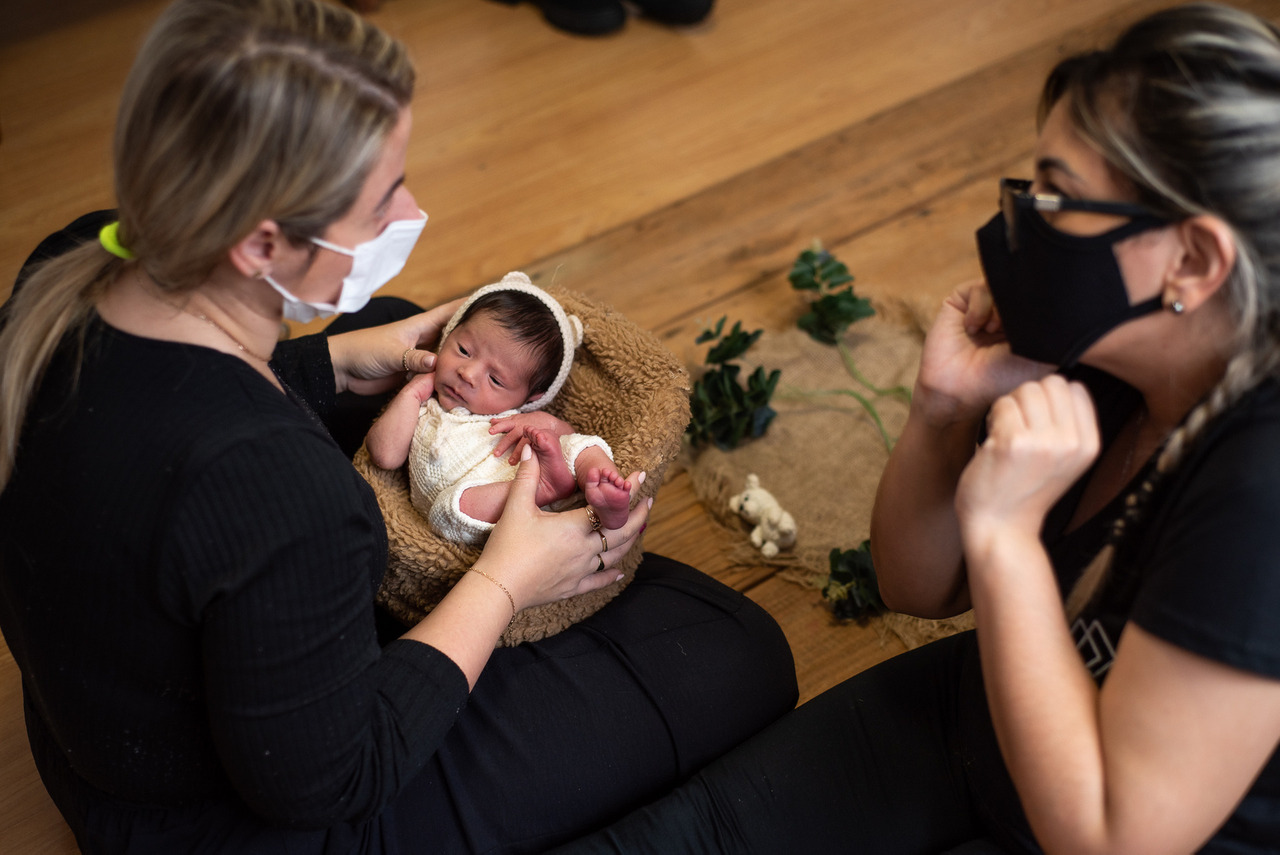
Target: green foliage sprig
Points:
(851, 588)
(836, 306)
(723, 410)
(830, 315)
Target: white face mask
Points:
(376, 262)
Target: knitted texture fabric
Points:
(624, 387)
(452, 452)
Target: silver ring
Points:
(600, 566)
(593, 518)
(604, 543)
(404, 360)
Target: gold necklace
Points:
(208, 320)
(147, 284)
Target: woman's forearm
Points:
(915, 536)
(1043, 701)
(467, 623)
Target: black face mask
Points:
(1058, 293)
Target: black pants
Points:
(569, 733)
(898, 759)
(559, 736)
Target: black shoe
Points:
(677, 12)
(584, 17)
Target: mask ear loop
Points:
(333, 247)
(1148, 306)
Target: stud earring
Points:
(1176, 307)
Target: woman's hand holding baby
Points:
(542, 557)
(374, 360)
(532, 557)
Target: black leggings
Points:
(898, 759)
(558, 737)
(570, 733)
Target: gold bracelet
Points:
(510, 598)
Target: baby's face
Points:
(483, 368)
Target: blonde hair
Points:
(235, 111)
(1186, 105)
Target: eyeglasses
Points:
(1016, 193)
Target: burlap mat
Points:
(822, 455)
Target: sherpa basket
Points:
(625, 387)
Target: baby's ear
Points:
(535, 397)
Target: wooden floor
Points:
(673, 174)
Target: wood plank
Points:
(528, 141)
(29, 822)
(604, 146)
(831, 651)
(673, 268)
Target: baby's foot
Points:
(555, 480)
(610, 494)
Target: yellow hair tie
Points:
(109, 237)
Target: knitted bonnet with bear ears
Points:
(570, 330)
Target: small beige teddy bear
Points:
(775, 529)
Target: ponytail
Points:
(55, 300)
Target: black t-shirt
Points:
(1200, 570)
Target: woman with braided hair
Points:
(1098, 422)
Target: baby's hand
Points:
(517, 429)
(420, 387)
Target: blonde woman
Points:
(1092, 463)
(190, 558)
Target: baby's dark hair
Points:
(531, 322)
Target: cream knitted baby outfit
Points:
(453, 451)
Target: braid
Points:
(1244, 372)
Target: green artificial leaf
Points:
(711, 334)
(851, 586)
(722, 410)
(830, 315)
(733, 345)
(818, 270)
(804, 272)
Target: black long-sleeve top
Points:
(187, 570)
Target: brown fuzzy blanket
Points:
(625, 387)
